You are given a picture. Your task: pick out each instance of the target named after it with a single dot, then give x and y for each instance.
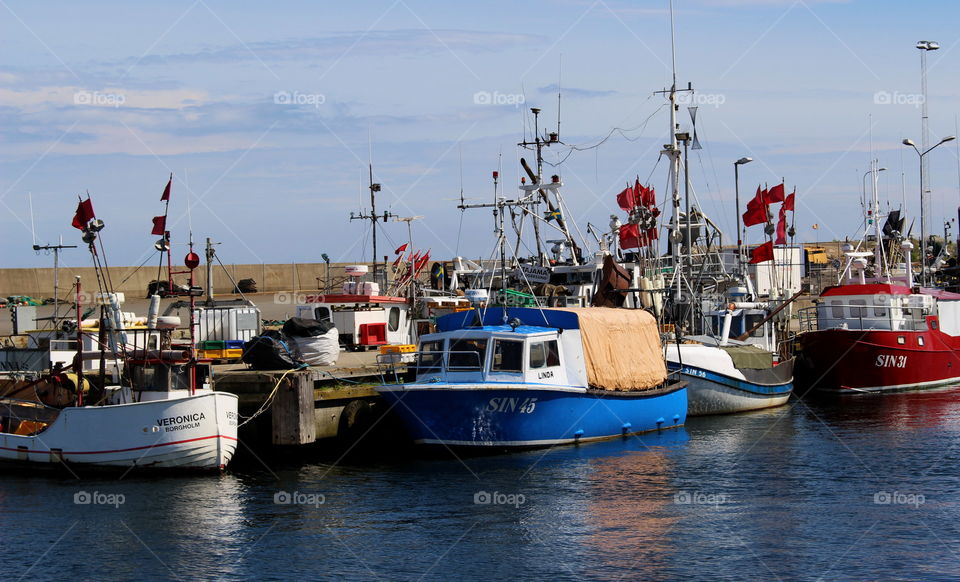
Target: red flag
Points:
(775, 194)
(629, 237)
(782, 225)
(84, 214)
(649, 197)
(762, 253)
(789, 201)
(756, 209)
(166, 191)
(418, 266)
(159, 225)
(400, 249)
(627, 199)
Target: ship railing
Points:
(855, 317)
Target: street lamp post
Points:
(736, 188)
(923, 202)
(924, 46)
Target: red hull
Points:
(840, 360)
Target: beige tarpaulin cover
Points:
(621, 348)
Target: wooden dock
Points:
(300, 407)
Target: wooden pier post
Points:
(293, 412)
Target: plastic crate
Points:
(373, 334)
(213, 354)
(398, 349)
(511, 298)
(233, 345)
(212, 345)
(232, 354)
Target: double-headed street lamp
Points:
(923, 201)
(736, 188)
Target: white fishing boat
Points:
(162, 414)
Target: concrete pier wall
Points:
(133, 282)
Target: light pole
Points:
(736, 189)
(923, 202)
(863, 190)
(924, 46)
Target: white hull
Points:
(190, 432)
(706, 397)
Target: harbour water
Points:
(864, 488)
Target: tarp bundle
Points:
(316, 343)
(269, 351)
(621, 348)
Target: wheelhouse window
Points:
(855, 310)
(837, 310)
(753, 320)
(321, 314)
(919, 340)
(467, 354)
(393, 319)
(544, 354)
(431, 356)
(507, 356)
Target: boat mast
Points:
(78, 361)
(672, 151)
(373, 218)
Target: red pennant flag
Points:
(629, 237)
(649, 197)
(775, 194)
(627, 199)
(166, 191)
(159, 225)
(400, 249)
(782, 226)
(789, 201)
(84, 214)
(762, 253)
(421, 263)
(756, 209)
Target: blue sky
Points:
(265, 114)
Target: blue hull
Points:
(480, 415)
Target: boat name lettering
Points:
(521, 405)
(694, 372)
(547, 374)
(890, 361)
(181, 422)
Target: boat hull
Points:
(713, 393)
(851, 361)
(193, 432)
(480, 415)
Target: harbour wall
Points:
(133, 281)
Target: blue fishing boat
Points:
(528, 377)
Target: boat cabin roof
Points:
(886, 289)
(340, 298)
(487, 330)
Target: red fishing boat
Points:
(877, 330)
(881, 336)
